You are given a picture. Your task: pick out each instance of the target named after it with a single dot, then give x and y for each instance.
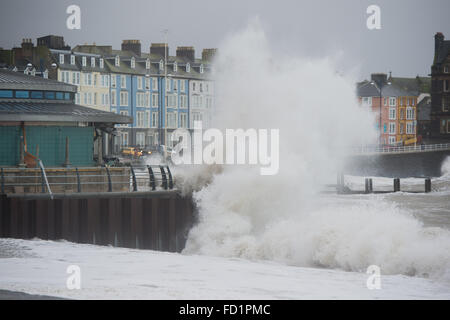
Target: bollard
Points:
(427, 185)
(396, 184)
(368, 185)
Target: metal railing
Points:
(403, 149)
(86, 179)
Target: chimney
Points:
(186, 52)
(133, 46)
(208, 54)
(27, 48)
(438, 41)
(379, 78)
(159, 49)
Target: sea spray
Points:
(282, 217)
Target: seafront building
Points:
(394, 104)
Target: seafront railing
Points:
(86, 179)
(362, 150)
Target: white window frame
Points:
(83, 61)
(123, 82)
(102, 63)
(155, 100)
(117, 61)
(392, 113)
(124, 98)
(92, 62)
(139, 83)
(61, 58)
(133, 63)
(154, 123)
(188, 67)
(113, 81)
(147, 64)
(392, 101)
(154, 84)
(392, 128)
(140, 137)
(72, 59)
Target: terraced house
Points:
(160, 92)
(394, 104)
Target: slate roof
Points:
(18, 80)
(399, 87)
(56, 112)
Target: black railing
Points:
(92, 179)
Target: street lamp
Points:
(380, 89)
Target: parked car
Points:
(131, 152)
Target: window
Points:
(446, 85)
(171, 120)
(78, 78)
(161, 65)
(175, 67)
(367, 101)
(392, 102)
(102, 63)
(123, 82)
(402, 114)
(139, 83)
(392, 128)
(446, 69)
(92, 62)
(201, 68)
(392, 114)
(147, 99)
(124, 98)
(123, 137)
(113, 97)
(392, 140)
(402, 128)
(182, 85)
(193, 86)
(201, 87)
(410, 128)
(72, 59)
(140, 139)
(147, 64)
(154, 100)
(133, 63)
(147, 119)
(88, 79)
(445, 103)
(196, 116)
(172, 101)
(183, 120)
(167, 84)
(175, 85)
(409, 113)
(9, 94)
(147, 83)
(385, 101)
(154, 84)
(140, 99)
(183, 101)
(154, 123)
(113, 81)
(61, 59)
(188, 67)
(74, 78)
(140, 119)
(117, 61)
(21, 94)
(83, 61)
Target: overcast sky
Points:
(310, 28)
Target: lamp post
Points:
(380, 90)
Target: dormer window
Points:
(92, 62)
(201, 68)
(83, 61)
(161, 65)
(61, 59)
(45, 74)
(446, 69)
(175, 67)
(133, 63)
(72, 59)
(147, 64)
(117, 61)
(102, 63)
(188, 67)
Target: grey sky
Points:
(311, 28)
